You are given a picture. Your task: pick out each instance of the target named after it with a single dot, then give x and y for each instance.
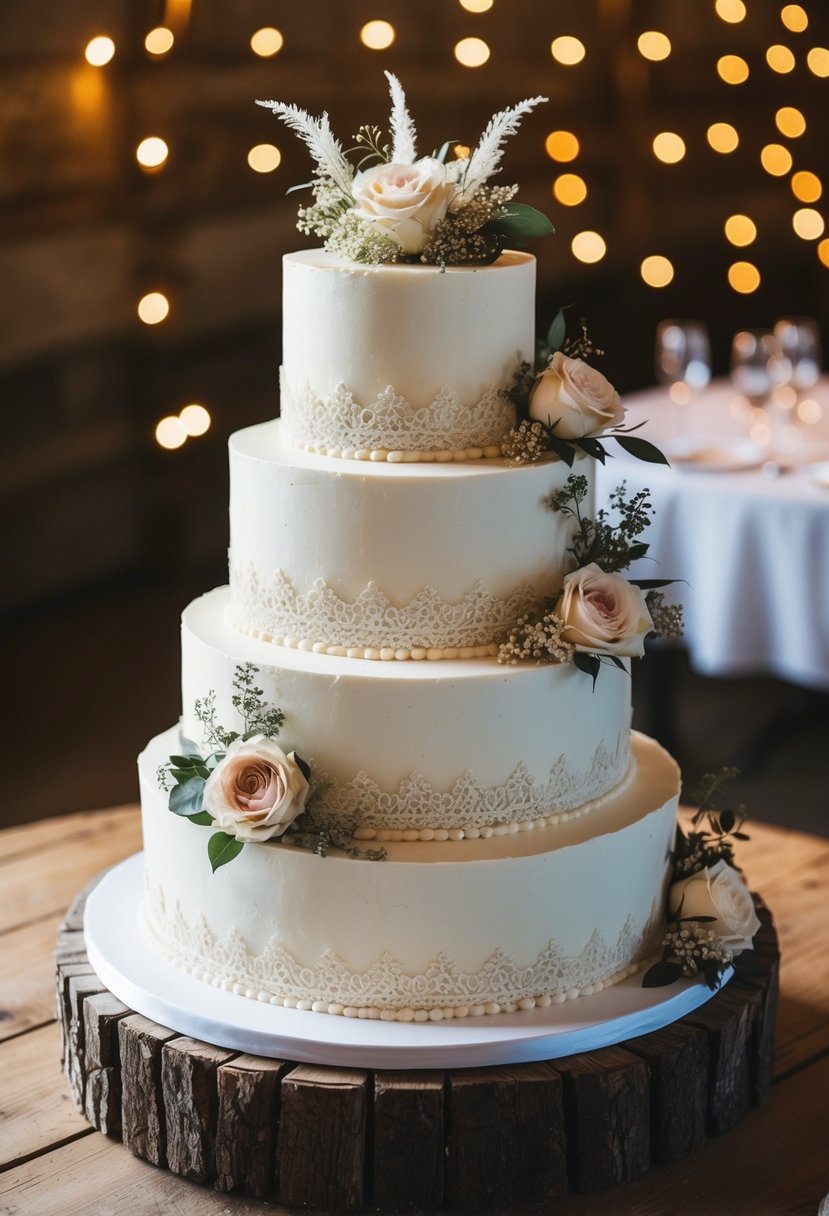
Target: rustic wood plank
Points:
(63, 1009)
(102, 1095)
(408, 1151)
(37, 1112)
(28, 839)
(246, 1125)
(78, 988)
(677, 1059)
(27, 994)
(322, 1137)
(143, 1125)
(506, 1136)
(63, 867)
(607, 1117)
(191, 1105)
(728, 1020)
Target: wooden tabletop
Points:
(51, 1162)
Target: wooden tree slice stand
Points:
(335, 1138)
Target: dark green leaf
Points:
(638, 550)
(202, 771)
(661, 974)
(649, 584)
(186, 761)
(443, 151)
(616, 661)
(590, 664)
(694, 920)
(727, 820)
(520, 223)
(741, 836)
(564, 450)
(304, 767)
(183, 774)
(557, 332)
(203, 818)
(592, 447)
(222, 848)
(642, 449)
(186, 799)
(712, 972)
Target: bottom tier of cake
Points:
(437, 929)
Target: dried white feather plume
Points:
(317, 134)
(402, 127)
(486, 158)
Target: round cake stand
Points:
(329, 1112)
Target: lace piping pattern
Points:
(329, 985)
(322, 620)
(339, 424)
(469, 805)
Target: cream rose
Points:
(405, 201)
(720, 892)
(603, 612)
(257, 791)
(576, 397)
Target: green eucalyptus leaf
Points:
(222, 848)
(186, 761)
(557, 331)
(182, 774)
(520, 222)
(661, 974)
(203, 818)
(642, 449)
(186, 799)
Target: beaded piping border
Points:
(391, 428)
(371, 626)
(384, 991)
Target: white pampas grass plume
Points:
(317, 134)
(487, 156)
(402, 127)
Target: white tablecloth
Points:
(753, 547)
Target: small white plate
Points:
(715, 454)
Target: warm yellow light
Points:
(744, 277)
(152, 152)
(740, 230)
(461, 151)
(99, 51)
(809, 411)
(808, 223)
(681, 393)
(471, 52)
(794, 18)
(732, 69)
(588, 247)
(562, 145)
(823, 251)
(654, 45)
(195, 419)
(790, 122)
(656, 270)
(153, 307)
(818, 61)
(570, 189)
(264, 158)
(776, 160)
(722, 137)
(170, 433)
(267, 41)
(377, 35)
(731, 11)
(806, 186)
(476, 6)
(567, 50)
(780, 59)
(669, 147)
(159, 41)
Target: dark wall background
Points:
(104, 534)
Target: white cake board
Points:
(148, 984)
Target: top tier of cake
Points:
(402, 362)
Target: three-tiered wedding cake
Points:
(503, 836)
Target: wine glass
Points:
(683, 362)
(758, 368)
(799, 340)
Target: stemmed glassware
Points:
(799, 340)
(759, 366)
(683, 362)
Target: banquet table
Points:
(745, 526)
(52, 1163)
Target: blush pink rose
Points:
(257, 791)
(577, 397)
(718, 891)
(404, 201)
(603, 613)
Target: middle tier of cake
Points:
(430, 751)
(384, 561)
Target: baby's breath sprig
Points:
(581, 347)
(536, 638)
(526, 442)
(692, 949)
(667, 618)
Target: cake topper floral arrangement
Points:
(394, 206)
(247, 787)
(566, 406)
(711, 916)
(599, 615)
